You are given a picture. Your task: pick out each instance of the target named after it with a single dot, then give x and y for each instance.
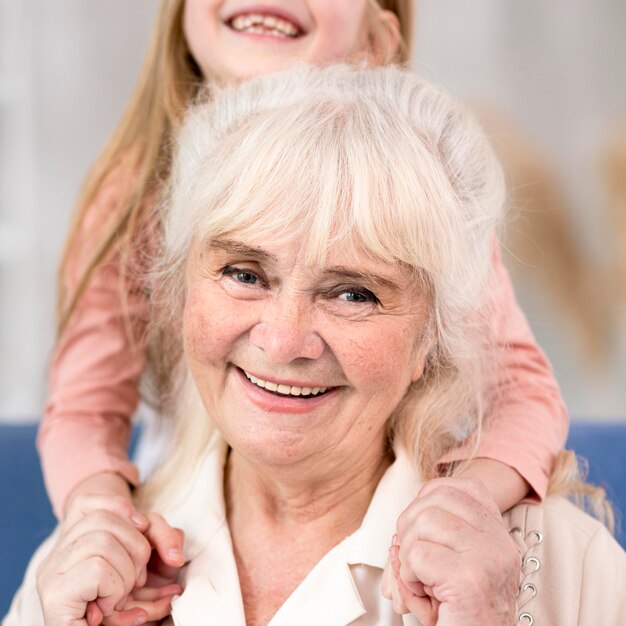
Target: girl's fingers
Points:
(155, 610)
(405, 589)
(159, 573)
(150, 604)
(150, 594)
(130, 617)
(93, 615)
(167, 541)
(399, 592)
(425, 608)
(388, 582)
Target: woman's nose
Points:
(285, 332)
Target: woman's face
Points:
(241, 38)
(295, 363)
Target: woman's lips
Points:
(286, 402)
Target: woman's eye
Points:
(241, 275)
(358, 296)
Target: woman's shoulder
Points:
(554, 511)
(572, 569)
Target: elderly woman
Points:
(327, 242)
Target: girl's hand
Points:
(453, 562)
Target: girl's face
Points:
(232, 39)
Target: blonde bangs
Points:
(316, 173)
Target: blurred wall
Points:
(554, 69)
(66, 70)
(555, 72)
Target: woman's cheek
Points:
(213, 322)
(375, 359)
(204, 326)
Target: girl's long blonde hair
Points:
(141, 149)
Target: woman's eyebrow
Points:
(238, 248)
(367, 278)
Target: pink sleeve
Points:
(93, 384)
(528, 423)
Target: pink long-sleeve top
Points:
(97, 366)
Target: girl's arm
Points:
(528, 423)
(93, 392)
(95, 371)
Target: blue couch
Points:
(26, 518)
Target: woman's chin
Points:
(274, 428)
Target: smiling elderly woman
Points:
(327, 242)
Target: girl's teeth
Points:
(286, 390)
(264, 24)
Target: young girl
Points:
(103, 304)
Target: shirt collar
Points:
(211, 583)
(200, 510)
(369, 544)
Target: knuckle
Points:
(99, 569)
(142, 550)
(102, 541)
(404, 521)
(417, 553)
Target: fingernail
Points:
(175, 554)
(394, 540)
(141, 619)
(138, 519)
(394, 553)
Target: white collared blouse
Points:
(343, 588)
(572, 571)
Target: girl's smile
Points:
(266, 21)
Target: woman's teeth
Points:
(286, 390)
(264, 25)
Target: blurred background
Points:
(547, 78)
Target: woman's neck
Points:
(284, 520)
(318, 496)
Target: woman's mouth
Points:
(286, 396)
(299, 391)
(266, 24)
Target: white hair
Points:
(374, 157)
